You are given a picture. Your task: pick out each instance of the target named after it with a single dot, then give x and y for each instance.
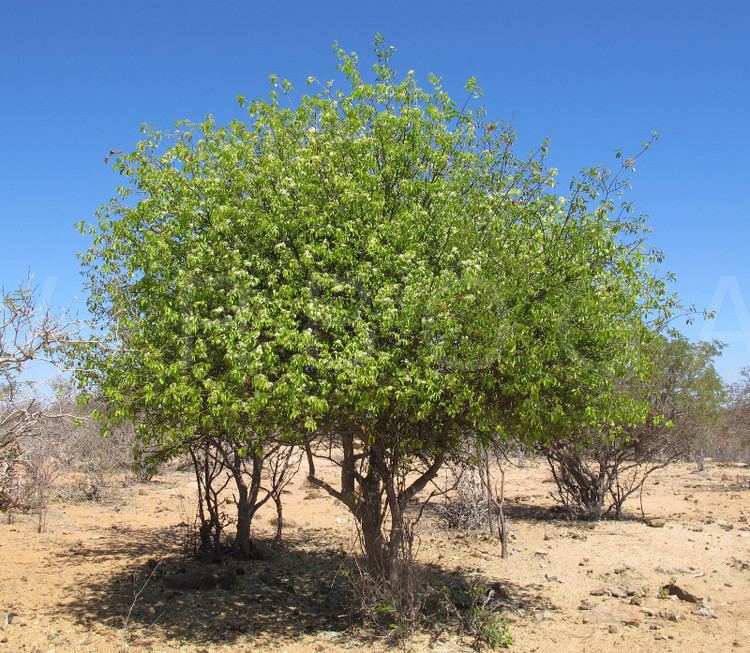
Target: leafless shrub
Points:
(42, 464)
(29, 452)
(730, 440)
(464, 506)
(12, 485)
(474, 496)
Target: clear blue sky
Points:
(78, 78)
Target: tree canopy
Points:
(372, 262)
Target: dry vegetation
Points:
(112, 575)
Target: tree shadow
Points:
(565, 517)
(525, 511)
(301, 588)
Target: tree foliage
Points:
(597, 469)
(371, 267)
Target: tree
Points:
(372, 273)
(28, 332)
(731, 441)
(597, 468)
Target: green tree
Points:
(598, 467)
(372, 267)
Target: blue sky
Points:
(78, 78)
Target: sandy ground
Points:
(96, 580)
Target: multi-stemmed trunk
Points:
(377, 497)
(213, 458)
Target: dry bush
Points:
(13, 487)
(90, 455)
(730, 440)
(56, 445)
(474, 493)
(28, 332)
(34, 461)
(464, 506)
(43, 464)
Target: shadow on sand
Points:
(301, 588)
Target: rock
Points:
(613, 629)
(672, 589)
(599, 591)
(705, 611)
(668, 615)
(586, 605)
(656, 522)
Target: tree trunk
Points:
(369, 516)
(279, 519)
(484, 472)
(242, 544)
(501, 521)
(310, 461)
(247, 502)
